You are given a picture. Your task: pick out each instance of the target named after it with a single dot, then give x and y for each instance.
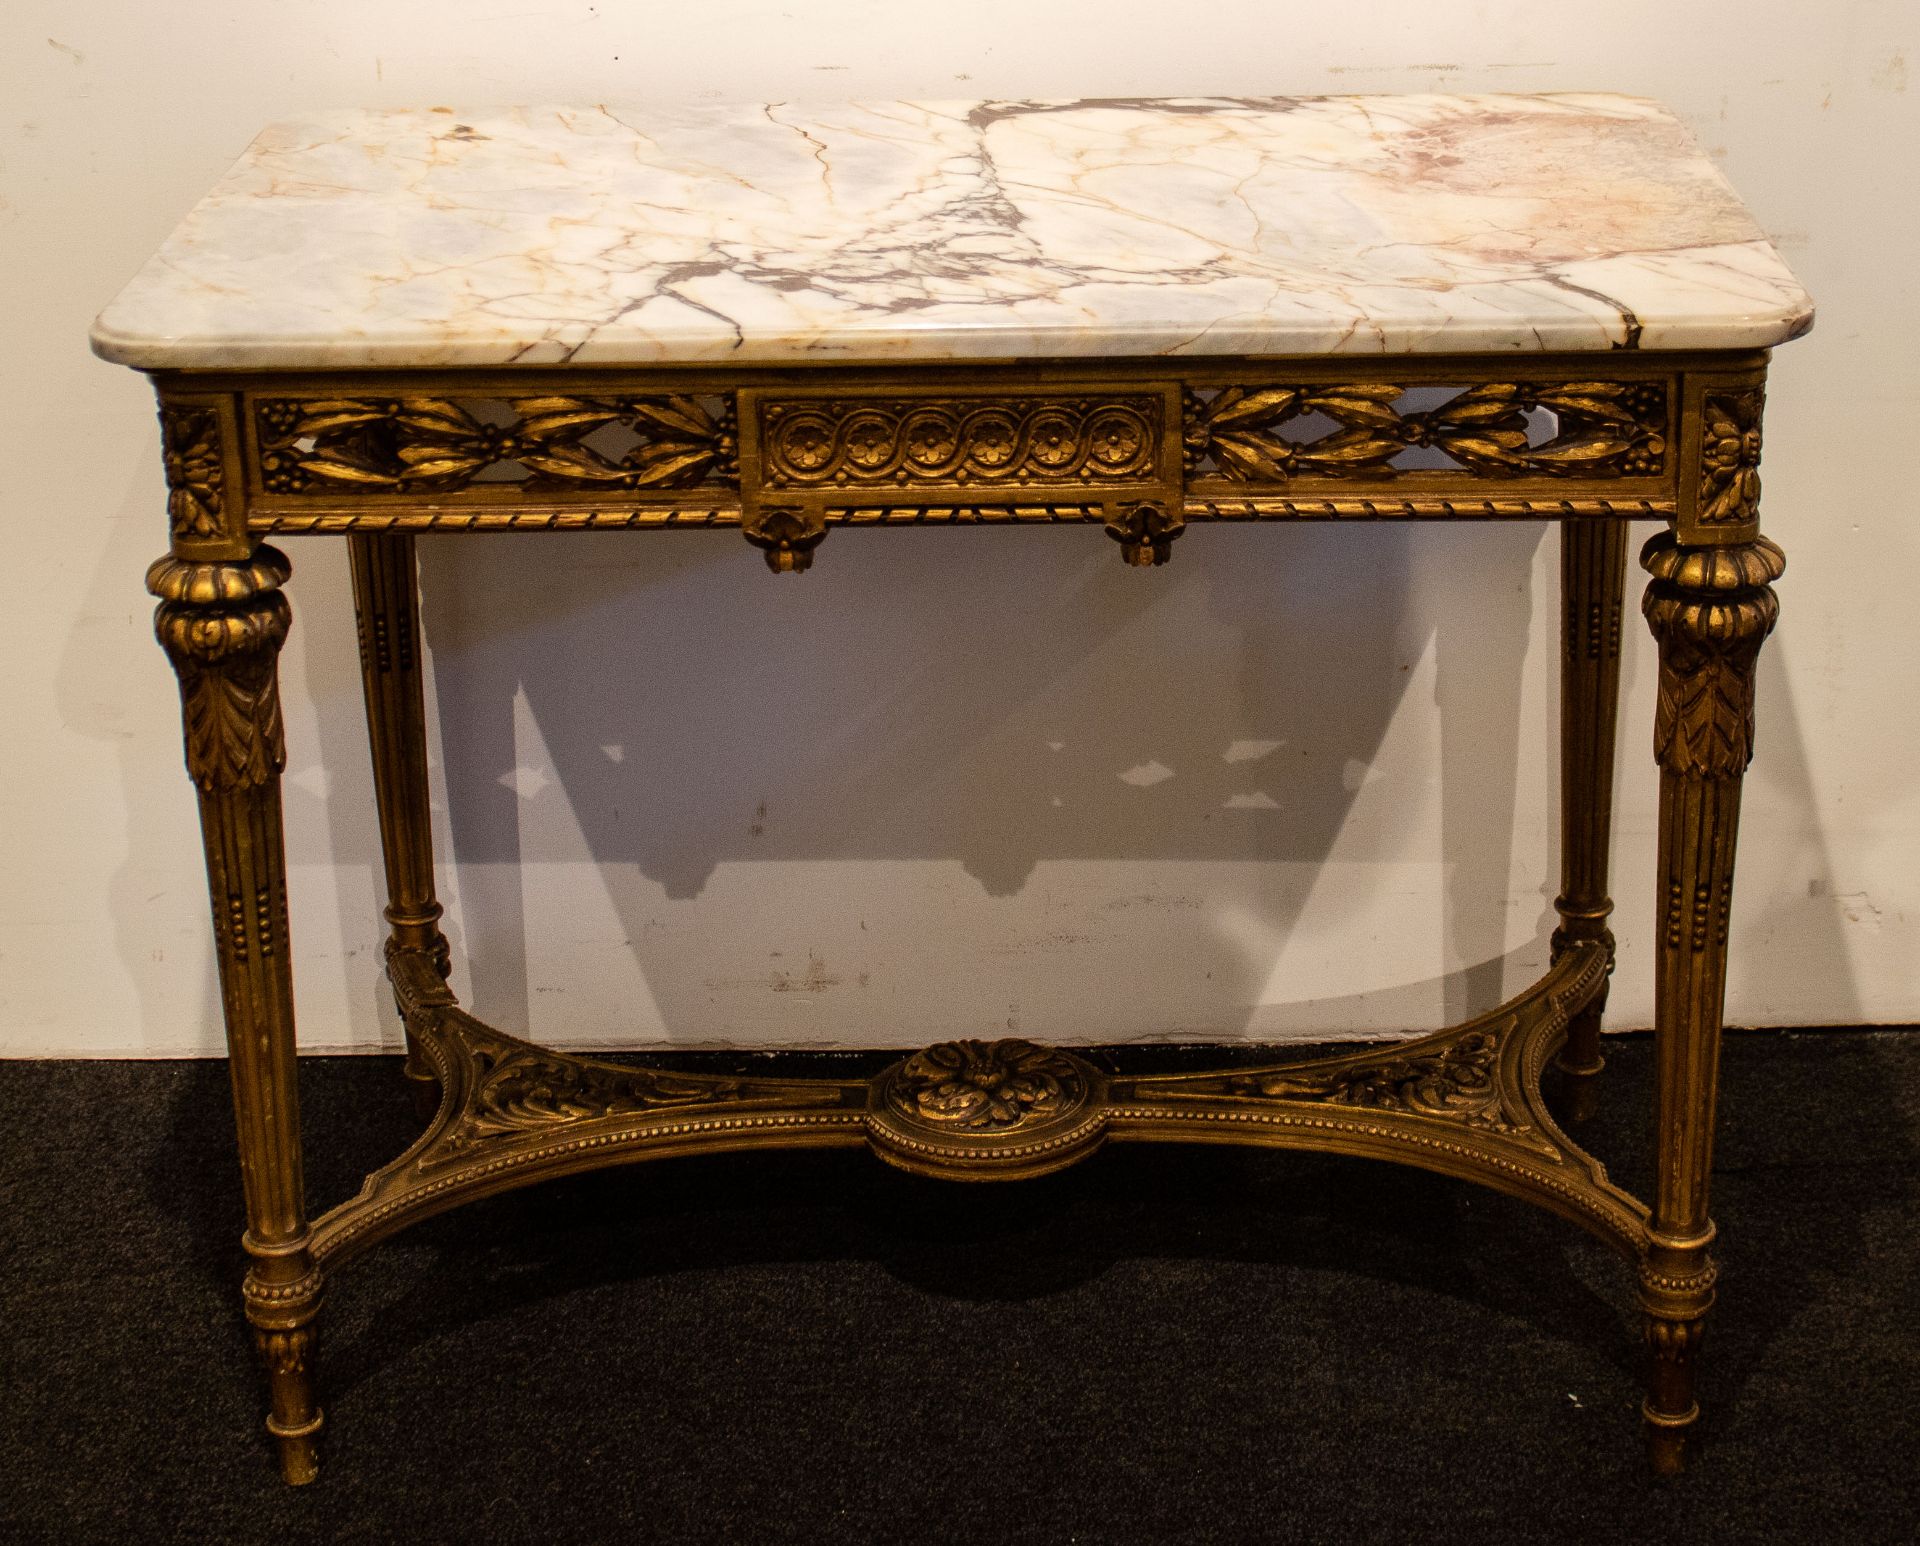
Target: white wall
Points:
(919, 791)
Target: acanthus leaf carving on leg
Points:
(222, 626)
(1710, 609)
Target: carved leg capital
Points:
(222, 625)
(1710, 609)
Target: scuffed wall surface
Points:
(1297, 783)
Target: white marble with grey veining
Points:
(959, 231)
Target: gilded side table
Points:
(1139, 316)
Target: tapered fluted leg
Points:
(1710, 609)
(385, 594)
(222, 625)
(1593, 563)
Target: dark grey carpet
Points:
(1161, 1345)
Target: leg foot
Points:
(1666, 1447)
(1670, 1410)
(283, 1316)
(299, 1452)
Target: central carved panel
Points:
(973, 1109)
(829, 444)
(982, 1086)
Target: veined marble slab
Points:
(960, 231)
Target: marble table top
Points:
(911, 231)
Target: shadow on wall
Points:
(990, 710)
(1006, 702)
(1796, 947)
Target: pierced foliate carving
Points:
(436, 445)
(1730, 457)
(1604, 429)
(190, 444)
(1459, 1081)
(856, 442)
(977, 1109)
(1710, 609)
(222, 626)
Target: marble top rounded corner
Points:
(956, 231)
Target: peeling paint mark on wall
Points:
(815, 979)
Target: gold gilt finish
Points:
(222, 626)
(1144, 450)
(1710, 609)
(384, 591)
(1141, 448)
(1604, 429)
(1593, 569)
(434, 445)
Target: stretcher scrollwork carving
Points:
(523, 1089)
(1459, 1081)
